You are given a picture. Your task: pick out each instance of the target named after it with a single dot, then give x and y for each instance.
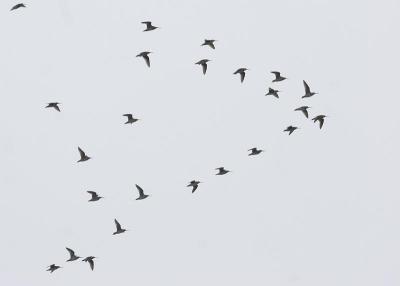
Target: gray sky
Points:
(318, 207)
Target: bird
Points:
(304, 110)
(130, 118)
(290, 129)
(89, 259)
(53, 268)
(95, 196)
(309, 93)
(273, 92)
(203, 64)
(72, 256)
(54, 105)
(255, 151)
(149, 26)
(83, 156)
(222, 171)
(320, 119)
(278, 76)
(209, 43)
(194, 184)
(145, 56)
(142, 195)
(242, 72)
(20, 5)
(119, 228)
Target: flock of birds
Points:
(194, 184)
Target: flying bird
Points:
(255, 151)
(72, 256)
(53, 268)
(273, 92)
(303, 109)
(142, 195)
(145, 56)
(83, 156)
(119, 228)
(278, 76)
(309, 93)
(209, 43)
(54, 105)
(203, 64)
(95, 197)
(20, 5)
(222, 171)
(149, 26)
(89, 259)
(194, 184)
(242, 72)
(130, 118)
(290, 129)
(320, 119)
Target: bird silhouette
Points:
(222, 171)
(203, 64)
(119, 228)
(145, 56)
(209, 43)
(273, 92)
(54, 105)
(142, 195)
(255, 151)
(20, 5)
(278, 76)
(53, 268)
(320, 119)
(95, 197)
(89, 259)
(149, 26)
(130, 118)
(290, 129)
(83, 156)
(242, 72)
(304, 110)
(72, 256)
(194, 184)
(309, 93)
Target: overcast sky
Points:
(319, 207)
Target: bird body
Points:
(320, 119)
(242, 72)
(72, 256)
(203, 64)
(20, 5)
(130, 119)
(149, 26)
(308, 93)
(119, 228)
(304, 110)
(278, 76)
(84, 157)
(54, 105)
(194, 184)
(142, 195)
(273, 92)
(209, 43)
(95, 197)
(145, 56)
(290, 129)
(255, 151)
(89, 259)
(222, 171)
(53, 268)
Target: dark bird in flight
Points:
(53, 268)
(303, 109)
(209, 43)
(142, 196)
(89, 259)
(54, 105)
(242, 72)
(119, 228)
(194, 184)
(320, 119)
(203, 64)
(95, 197)
(83, 155)
(290, 129)
(72, 256)
(273, 92)
(20, 5)
(130, 118)
(222, 171)
(278, 76)
(145, 56)
(309, 93)
(149, 26)
(255, 151)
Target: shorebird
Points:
(130, 118)
(290, 129)
(20, 5)
(209, 43)
(255, 151)
(278, 76)
(320, 119)
(309, 93)
(149, 26)
(142, 196)
(83, 156)
(53, 268)
(203, 64)
(242, 72)
(54, 105)
(145, 56)
(119, 228)
(273, 92)
(95, 197)
(194, 184)
(72, 256)
(222, 171)
(90, 260)
(303, 109)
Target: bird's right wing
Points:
(117, 224)
(141, 192)
(306, 87)
(81, 152)
(91, 263)
(147, 59)
(242, 75)
(71, 252)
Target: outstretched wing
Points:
(306, 87)
(204, 65)
(321, 122)
(141, 192)
(305, 112)
(147, 59)
(81, 152)
(117, 224)
(242, 75)
(277, 74)
(129, 116)
(194, 188)
(71, 252)
(91, 263)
